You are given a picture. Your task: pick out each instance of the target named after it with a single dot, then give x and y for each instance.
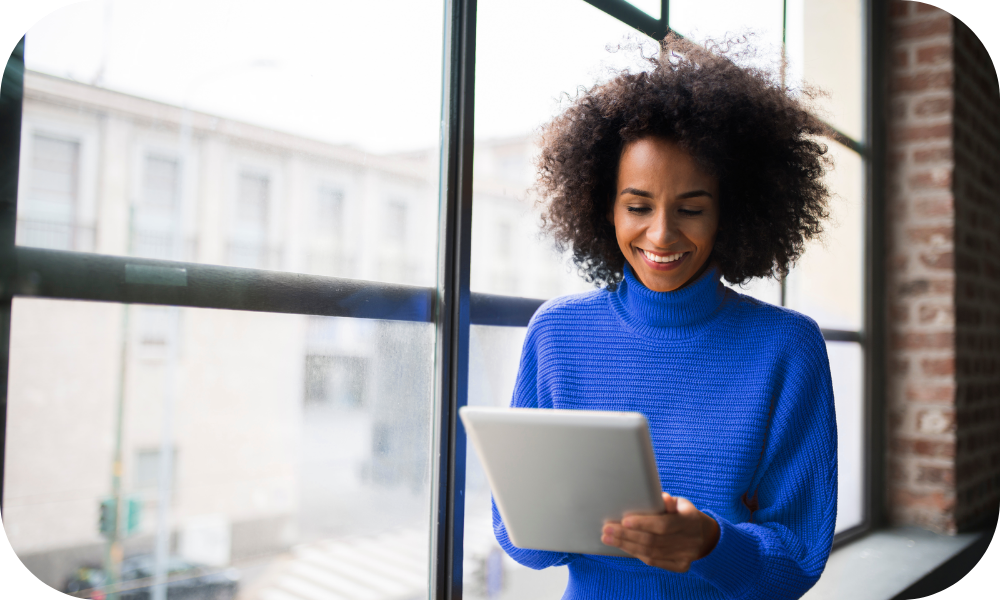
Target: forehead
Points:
(658, 159)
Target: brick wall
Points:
(976, 186)
(943, 214)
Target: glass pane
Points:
(275, 455)
(494, 354)
(653, 8)
(251, 138)
(766, 289)
(847, 369)
(718, 19)
(828, 282)
(826, 49)
(509, 256)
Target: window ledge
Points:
(883, 564)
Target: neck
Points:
(679, 314)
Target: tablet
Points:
(558, 475)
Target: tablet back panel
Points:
(558, 475)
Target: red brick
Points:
(932, 155)
(899, 366)
(941, 235)
(931, 393)
(920, 341)
(898, 471)
(924, 28)
(930, 313)
(901, 58)
(932, 499)
(935, 207)
(899, 313)
(922, 81)
(936, 54)
(938, 260)
(938, 366)
(933, 106)
(921, 133)
(934, 449)
(935, 179)
(917, 287)
(942, 287)
(929, 474)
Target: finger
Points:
(638, 541)
(611, 533)
(632, 536)
(669, 503)
(685, 507)
(658, 524)
(651, 555)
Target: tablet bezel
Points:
(557, 475)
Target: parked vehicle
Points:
(185, 581)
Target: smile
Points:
(668, 258)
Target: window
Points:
(307, 356)
(328, 245)
(48, 215)
(249, 246)
(156, 223)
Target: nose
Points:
(662, 230)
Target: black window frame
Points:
(450, 305)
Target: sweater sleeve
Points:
(783, 551)
(526, 396)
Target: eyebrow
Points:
(684, 196)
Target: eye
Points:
(637, 209)
(690, 211)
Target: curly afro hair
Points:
(737, 123)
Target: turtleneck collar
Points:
(679, 314)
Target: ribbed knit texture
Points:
(703, 364)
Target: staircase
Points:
(391, 566)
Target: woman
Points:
(661, 183)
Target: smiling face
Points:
(665, 213)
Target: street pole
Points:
(114, 552)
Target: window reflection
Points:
(298, 450)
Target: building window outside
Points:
(327, 255)
(249, 246)
(47, 217)
(156, 222)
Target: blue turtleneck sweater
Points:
(738, 398)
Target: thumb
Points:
(686, 507)
(669, 503)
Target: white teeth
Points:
(662, 259)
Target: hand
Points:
(670, 541)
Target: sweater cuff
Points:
(733, 565)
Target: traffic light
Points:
(133, 516)
(107, 524)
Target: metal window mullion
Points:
(452, 313)
(131, 280)
(11, 102)
(635, 17)
(876, 23)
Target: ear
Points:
(610, 215)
